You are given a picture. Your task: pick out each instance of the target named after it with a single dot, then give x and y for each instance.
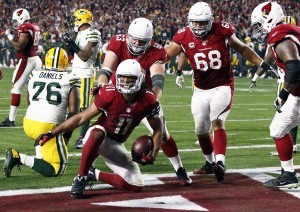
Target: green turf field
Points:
(247, 127)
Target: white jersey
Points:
(86, 69)
(49, 95)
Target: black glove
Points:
(269, 68)
(281, 99)
(43, 138)
(70, 43)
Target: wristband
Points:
(10, 37)
(283, 94)
(265, 66)
(179, 72)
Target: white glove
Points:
(179, 81)
(9, 35)
(278, 103)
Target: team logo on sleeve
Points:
(191, 45)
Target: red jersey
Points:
(31, 47)
(155, 53)
(278, 34)
(209, 57)
(120, 118)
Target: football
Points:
(143, 144)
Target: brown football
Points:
(143, 144)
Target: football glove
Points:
(43, 138)
(1, 74)
(269, 68)
(70, 43)
(252, 85)
(281, 99)
(95, 90)
(145, 160)
(9, 35)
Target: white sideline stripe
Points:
(198, 149)
(257, 174)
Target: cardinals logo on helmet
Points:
(19, 12)
(266, 9)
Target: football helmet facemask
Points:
(80, 17)
(139, 36)
(19, 17)
(129, 76)
(56, 59)
(264, 18)
(200, 19)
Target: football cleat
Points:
(78, 143)
(207, 168)
(219, 171)
(295, 148)
(183, 178)
(92, 175)
(285, 180)
(11, 160)
(78, 186)
(7, 123)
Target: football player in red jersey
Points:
(206, 44)
(26, 44)
(138, 44)
(122, 107)
(284, 40)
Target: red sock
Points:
(284, 147)
(220, 141)
(15, 99)
(118, 182)
(90, 151)
(170, 148)
(206, 145)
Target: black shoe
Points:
(11, 160)
(78, 143)
(183, 178)
(7, 123)
(78, 186)
(207, 168)
(285, 180)
(92, 175)
(219, 171)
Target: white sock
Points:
(12, 113)
(288, 165)
(210, 158)
(97, 172)
(176, 162)
(220, 157)
(26, 160)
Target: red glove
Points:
(43, 138)
(1, 74)
(95, 90)
(146, 160)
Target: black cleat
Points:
(183, 178)
(219, 171)
(78, 143)
(11, 160)
(285, 180)
(207, 168)
(7, 123)
(78, 186)
(92, 175)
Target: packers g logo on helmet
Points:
(56, 59)
(81, 17)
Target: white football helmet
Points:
(20, 16)
(264, 18)
(130, 68)
(200, 12)
(139, 35)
